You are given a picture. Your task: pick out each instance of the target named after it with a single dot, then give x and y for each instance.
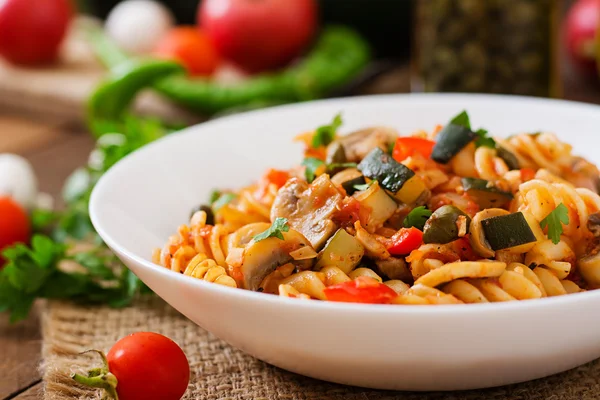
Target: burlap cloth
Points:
(220, 372)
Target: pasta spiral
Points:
(540, 198)
(542, 150)
(201, 267)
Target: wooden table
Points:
(56, 146)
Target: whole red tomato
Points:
(259, 35)
(31, 32)
(580, 32)
(14, 224)
(149, 366)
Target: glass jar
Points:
(488, 46)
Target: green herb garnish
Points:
(417, 218)
(364, 186)
(326, 134)
(311, 164)
(214, 196)
(484, 140)
(554, 221)
(223, 200)
(462, 119)
(276, 229)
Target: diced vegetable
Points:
(348, 179)
(509, 158)
(336, 153)
(485, 193)
(411, 191)
(361, 290)
(380, 166)
(405, 241)
(507, 231)
(343, 251)
(408, 146)
(477, 237)
(350, 185)
(380, 206)
(445, 225)
(450, 141)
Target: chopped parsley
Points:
(326, 134)
(312, 165)
(222, 201)
(417, 218)
(276, 229)
(482, 139)
(554, 221)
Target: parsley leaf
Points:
(311, 164)
(417, 218)
(484, 140)
(462, 119)
(276, 229)
(554, 221)
(214, 196)
(326, 134)
(364, 186)
(223, 200)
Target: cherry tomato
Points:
(580, 33)
(408, 146)
(361, 290)
(191, 48)
(149, 366)
(258, 35)
(31, 33)
(14, 223)
(405, 241)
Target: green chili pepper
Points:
(337, 57)
(112, 99)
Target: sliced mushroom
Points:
(358, 144)
(395, 268)
(594, 225)
(309, 208)
(259, 259)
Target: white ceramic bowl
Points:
(144, 198)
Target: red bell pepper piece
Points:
(405, 241)
(408, 146)
(361, 290)
(527, 174)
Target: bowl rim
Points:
(326, 306)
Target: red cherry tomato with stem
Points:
(146, 365)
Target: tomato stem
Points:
(100, 378)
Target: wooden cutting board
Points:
(61, 90)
